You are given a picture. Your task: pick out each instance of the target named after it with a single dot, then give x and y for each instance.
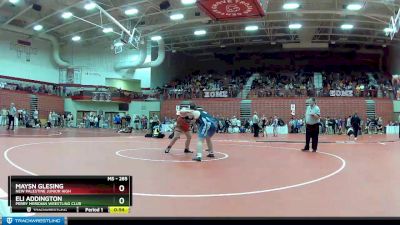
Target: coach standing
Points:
(256, 127)
(356, 124)
(312, 125)
(11, 116)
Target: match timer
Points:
(79, 194)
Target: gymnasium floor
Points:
(249, 177)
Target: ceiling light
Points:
(76, 38)
(291, 5)
(90, 6)
(38, 27)
(13, 1)
(178, 16)
(347, 26)
(200, 32)
(67, 15)
(188, 2)
(156, 38)
(388, 30)
(108, 30)
(251, 28)
(295, 26)
(354, 7)
(131, 11)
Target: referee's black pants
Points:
(10, 120)
(356, 130)
(312, 131)
(256, 129)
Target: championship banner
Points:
(101, 96)
(232, 9)
(339, 93)
(396, 86)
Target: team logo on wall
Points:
(215, 94)
(339, 93)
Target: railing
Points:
(172, 93)
(29, 87)
(108, 96)
(279, 92)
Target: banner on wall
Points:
(101, 96)
(215, 94)
(339, 93)
(232, 9)
(293, 109)
(396, 85)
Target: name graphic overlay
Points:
(70, 194)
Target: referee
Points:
(312, 125)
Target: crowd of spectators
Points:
(195, 84)
(336, 125)
(267, 84)
(276, 84)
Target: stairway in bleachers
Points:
(247, 88)
(34, 102)
(370, 108)
(245, 109)
(372, 80)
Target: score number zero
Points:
(121, 187)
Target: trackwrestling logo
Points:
(33, 220)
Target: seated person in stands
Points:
(350, 133)
(38, 124)
(157, 132)
(125, 130)
(48, 124)
(242, 129)
(372, 126)
(28, 124)
(379, 125)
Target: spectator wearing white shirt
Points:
(36, 116)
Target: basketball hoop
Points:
(117, 46)
(134, 39)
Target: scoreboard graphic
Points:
(70, 194)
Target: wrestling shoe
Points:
(167, 149)
(211, 155)
(187, 151)
(198, 159)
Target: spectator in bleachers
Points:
(4, 118)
